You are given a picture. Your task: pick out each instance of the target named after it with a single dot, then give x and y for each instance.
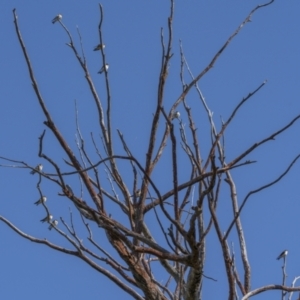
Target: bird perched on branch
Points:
(41, 200)
(282, 254)
(53, 224)
(47, 219)
(57, 18)
(38, 168)
(105, 67)
(99, 47)
(176, 115)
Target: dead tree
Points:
(184, 216)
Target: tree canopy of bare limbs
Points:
(146, 261)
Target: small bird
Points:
(282, 254)
(99, 47)
(53, 224)
(138, 193)
(104, 67)
(176, 115)
(57, 18)
(38, 168)
(47, 219)
(41, 200)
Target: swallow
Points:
(41, 200)
(138, 193)
(104, 67)
(57, 18)
(53, 224)
(47, 219)
(282, 254)
(38, 168)
(99, 47)
(176, 115)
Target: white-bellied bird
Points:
(38, 168)
(47, 219)
(105, 67)
(57, 18)
(53, 224)
(41, 200)
(282, 254)
(99, 47)
(176, 115)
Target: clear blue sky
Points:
(268, 48)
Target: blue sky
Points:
(266, 49)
